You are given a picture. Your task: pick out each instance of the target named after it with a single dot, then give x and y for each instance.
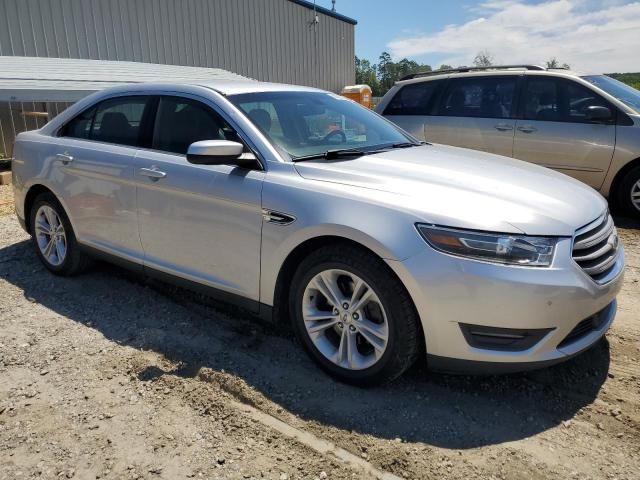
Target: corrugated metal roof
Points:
(35, 79)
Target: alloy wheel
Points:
(50, 235)
(635, 195)
(345, 319)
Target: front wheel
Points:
(629, 192)
(354, 317)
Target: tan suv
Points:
(586, 126)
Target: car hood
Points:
(466, 189)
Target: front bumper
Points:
(450, 291)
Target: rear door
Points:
(94, 162)
(476, 112)
(555, 132)
(411, 105)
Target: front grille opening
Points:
(585, 327)
(595, 248)
(502, 339)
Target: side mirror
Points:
(597, 113)
(219, 152)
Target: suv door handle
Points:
(526, 129)
(152, 173)
(503, 127)
(65, 158)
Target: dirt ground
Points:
(109, 376)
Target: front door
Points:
(555, 131)
(200, 222)
(475, 112)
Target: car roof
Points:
(496, 71)
(224, 87)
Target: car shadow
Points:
(448, 411)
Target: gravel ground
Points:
(6, 199)
(109, 376)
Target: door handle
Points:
(153, 173)
(526, 129)
(65, 158)
(503, 127)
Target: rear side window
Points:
(80, 126)
(412, 99)
(558, 100)
(117, 120)
(488, 97)
(182, 121)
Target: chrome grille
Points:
(595, 248)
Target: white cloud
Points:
(601, 36)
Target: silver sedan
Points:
(306, 208)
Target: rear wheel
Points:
(629, 192)
(53, 237)
(353, 316)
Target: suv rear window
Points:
(488, 97)
(412, 99)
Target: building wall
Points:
(13, 120)
(269, 40)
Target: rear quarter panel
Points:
(32, 165)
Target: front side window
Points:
(579, 98)
(488, 97)
(310, 123)
(116, 120)
(557, 100)
(182, 121)
(412, 99)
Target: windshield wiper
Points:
(332, 154)
(405, 145)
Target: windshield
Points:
(311, 123)
(623, 92)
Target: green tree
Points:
(366, 74)
(483, 59)
(444, 66)
(554, 63)
(381, 76)
(386, 71)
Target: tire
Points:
(388, 309)
(66, 258)
(629, 186)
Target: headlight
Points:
(491, 247)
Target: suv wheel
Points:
(353, 316)
(629, 192)
(53, 237)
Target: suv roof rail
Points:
(471, 69)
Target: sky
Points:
(590, 35)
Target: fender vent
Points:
(279, 218)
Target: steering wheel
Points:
(335, 133)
